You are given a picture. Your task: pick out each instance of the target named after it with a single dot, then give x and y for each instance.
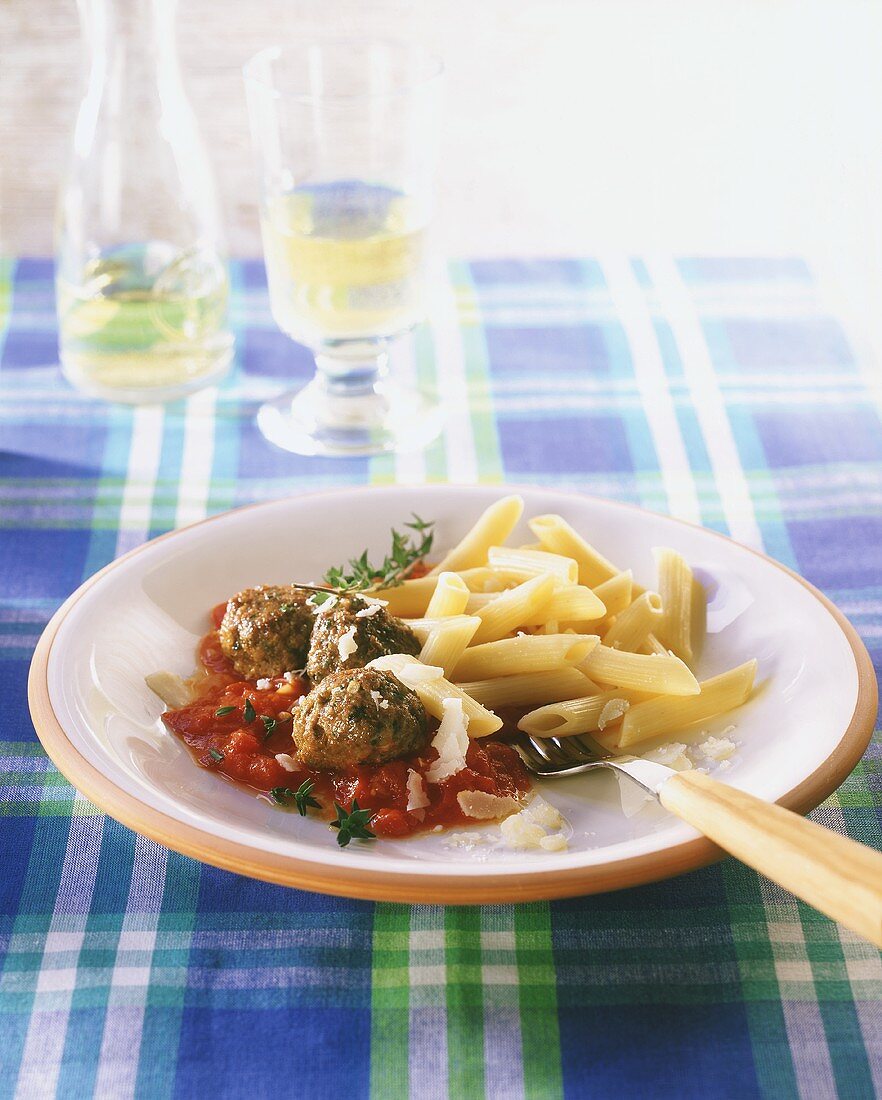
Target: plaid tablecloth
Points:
(719, 390)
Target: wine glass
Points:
(346, 136)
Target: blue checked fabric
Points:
(719, 390)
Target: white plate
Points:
(797, 739)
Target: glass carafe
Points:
(142, 283)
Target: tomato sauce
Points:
(245, 752)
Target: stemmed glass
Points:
(346, 137)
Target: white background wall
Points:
(572, 125)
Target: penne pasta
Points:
(631, 628)
(651, 673)
(570, 717)
(514, 608)
(576, 604)
(478, 600)
(558, 537)
(481, 579)
(409, 599)
(492, 528)
(652, 645)
(526, 653)
(666, 715)
(676, 586)
(449, 598)
(432, 694)
(616, 593)
(446, 641)
(523, 564)
(527, 689)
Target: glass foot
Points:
(322, 419)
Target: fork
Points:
(838, 876)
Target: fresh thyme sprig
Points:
(302, 797)
(249, 713)
(269, 724)
(221, 711)
(360, 575)
(352, 824)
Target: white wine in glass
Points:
(346, 260)
(346, 140)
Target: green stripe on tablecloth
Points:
(537, 995)
(7, 277)
(465, 1002)
(390, 1002)
(832, 989)
(477, 370)
(759, 984)
(430, 378)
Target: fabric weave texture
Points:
(722, 391)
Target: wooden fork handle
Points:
(836, 875)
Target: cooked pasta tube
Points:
(557, 536)
(617, 592)
(650, 673)
(433, 692)
(631, 627)
(575, 604)
(449, 598)
(481, 579)
(478, 600)
(652, 645)
(574, 716)
(446, 642)
(527, 689)
(524, 604)
(526, 653)
(524, 564)
(666, 715)
(409, 599)
(492, 528)
(676, 586)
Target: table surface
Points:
(723, 391)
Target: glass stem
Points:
(351, 369)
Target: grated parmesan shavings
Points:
(450, 742)
(347, 645)
(612, 712)
(417, 799)
(485, 807)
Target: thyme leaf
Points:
(361, 575)
(352, 824)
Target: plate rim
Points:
(442, 888)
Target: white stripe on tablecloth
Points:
(145, 451)
(47, 1029)
(649, 373)
(194, 483)
(503, 1047)
(802, 1014)
(864, 969)
(427, 1028)
(129, 986)
(710, 408)
(450, 371)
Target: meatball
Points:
(265, 630)
(369, 636)
(358, 716)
